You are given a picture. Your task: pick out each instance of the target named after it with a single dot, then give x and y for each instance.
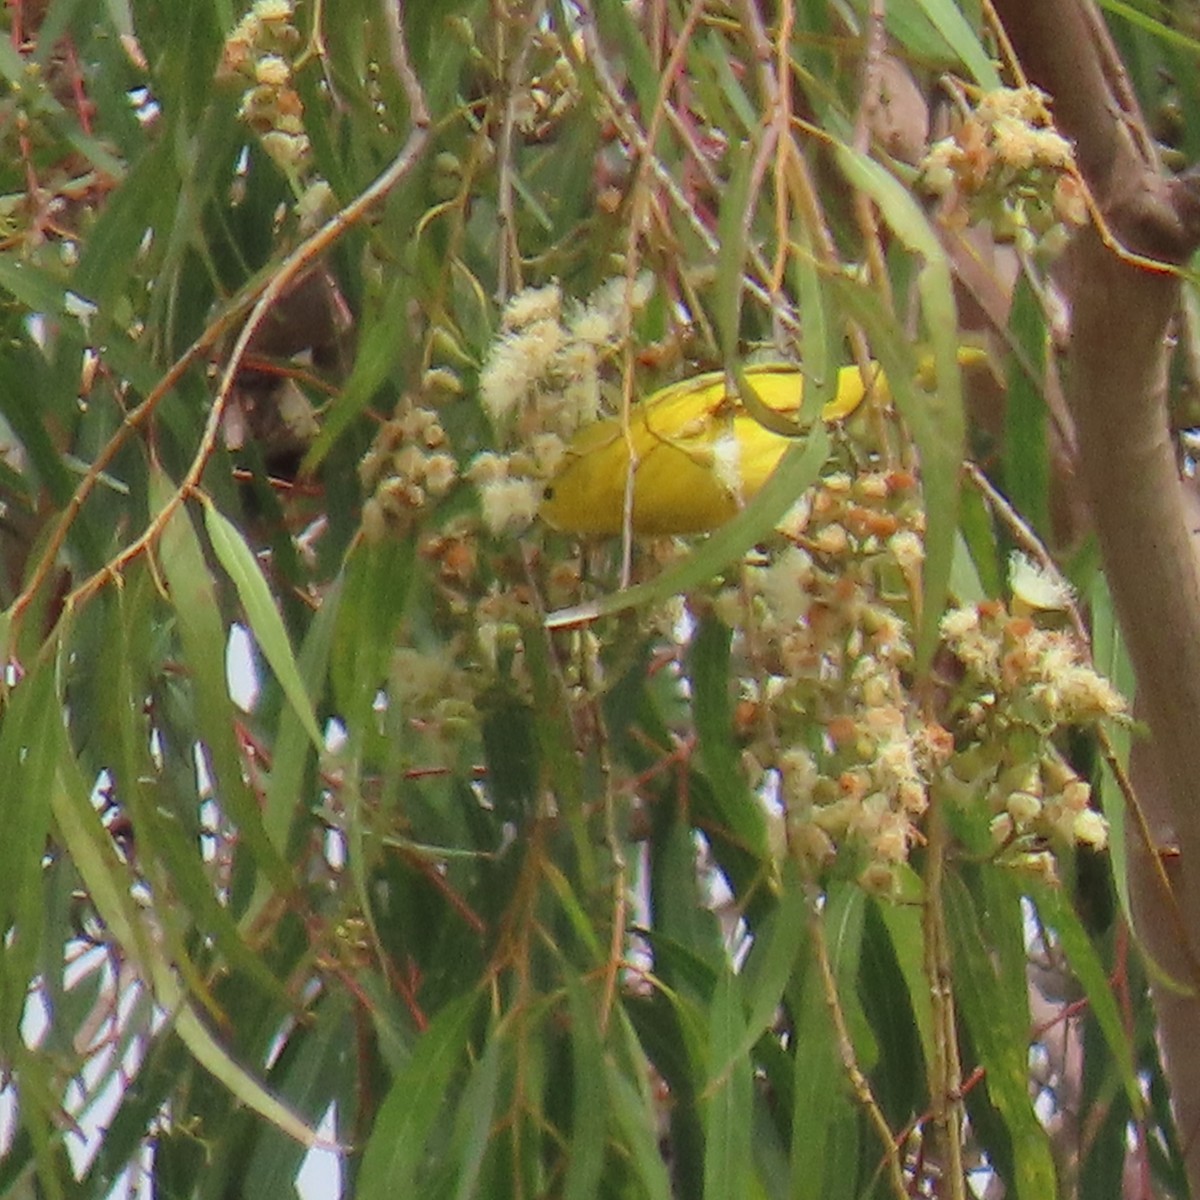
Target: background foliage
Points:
(512, 908)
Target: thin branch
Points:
(845, 1047)
(631, 132)
(864, 208)
(945, 1072)
(132, 422)
(508, 266)
(299, 260)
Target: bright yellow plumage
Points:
(699, 454)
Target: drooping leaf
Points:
(193, 596)
(263, 614)
(589, 1119)
(998, 1031)
(728, 1095)
(709, 668)
(396, 1148)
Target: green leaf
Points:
(476, 1109)
(1056, 913)
(315, 1069)
(375, 588)
(903, 922)
(723, 91)
(185, 894)
(34, 288)
(1152, 25)
(728, 1095)
(1111, 659)
(28, 760)
(380, 346)
(510, 750)
(778, 942)
(820, 1100)
(936, 417)
(679, 912)
(637, 1120)
(562, 765)
(292, 739)
(975, 575)
(947, 18)
(616, 24)
(710, 671)
(261, 611)
(825, 1148)
(731, 254)
(23, 373)
(396, 1148)
(1000, 1035)
(202, 634)
(575, 912)
(109, 886)
(147, 198)
(589, 1110)
(820, 337)
(1026, 448)
(843, 919)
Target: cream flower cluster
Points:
(828, 627)
(832, 722)
(408, 465)
(542, 380)
(1006, 164)
(1020, 685)
(259, 50)
(550, 91)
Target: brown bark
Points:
(1121, 314)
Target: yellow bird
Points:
(700, 454)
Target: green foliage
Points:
(523, 901)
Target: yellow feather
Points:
(698, 455)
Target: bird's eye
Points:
(548, 492)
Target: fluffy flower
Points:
(1091, 829)
(1088, 696)
(509, 505)
(487, 467)
(594, 326)
(1036, 587)
(273, 10)
(516, 364)
(440, 471)
(533, 304)
(978, 650)
(908, 550)
(1014, 143)
(272, 71)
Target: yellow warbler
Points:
(699, 454)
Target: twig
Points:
(112, 447)
(845, 1046)
(509, 259)
(306, 253)
(629, 129)
(945, 1072)
(864, 209)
